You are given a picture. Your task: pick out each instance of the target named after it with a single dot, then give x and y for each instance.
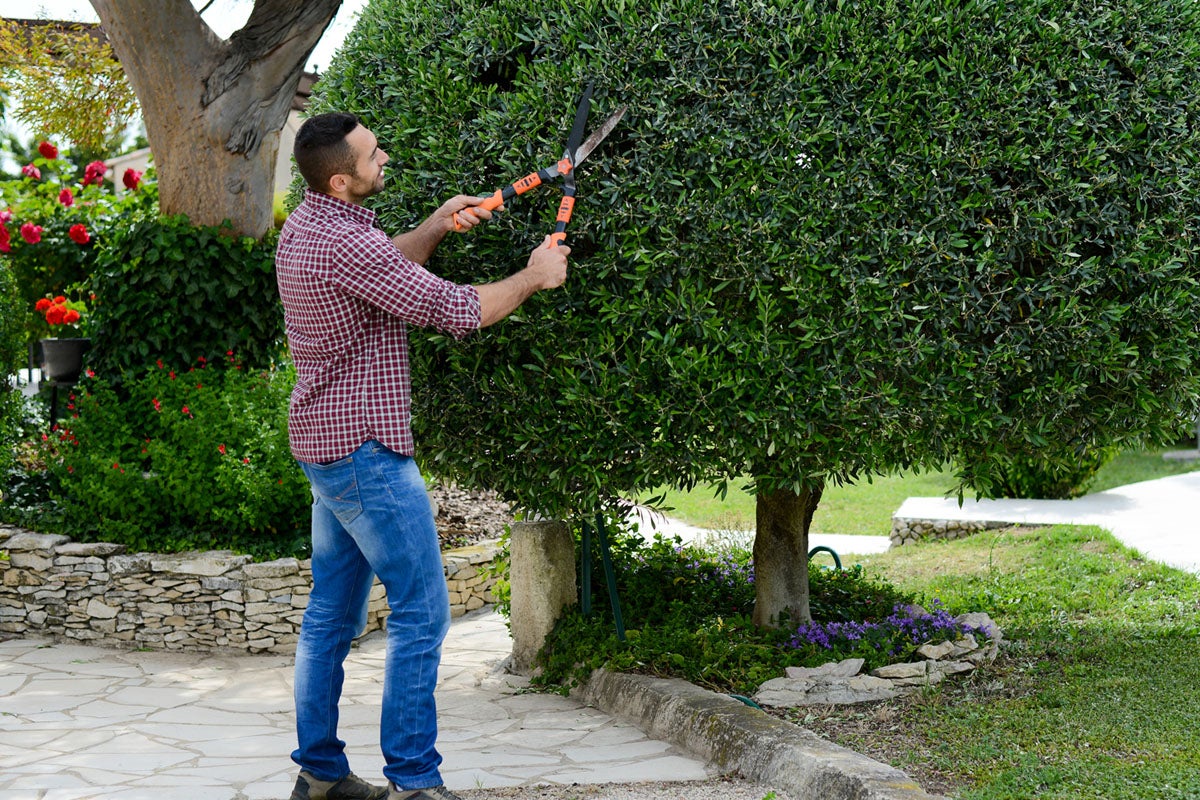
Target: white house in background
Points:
(140, 159)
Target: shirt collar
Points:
(334, 205)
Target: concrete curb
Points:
(736, 737)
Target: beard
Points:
(364, 186)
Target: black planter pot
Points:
(62, 359)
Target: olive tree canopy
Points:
(829, 240)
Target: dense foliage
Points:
(171, 461)
(828, 239)
(12, 357)
(174, 292)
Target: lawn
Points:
(866, 507)
(1094, 694)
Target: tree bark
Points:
(782, 520)
(214, 107)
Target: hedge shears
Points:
(577, 150)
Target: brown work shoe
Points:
(432, 793)
(350, 787)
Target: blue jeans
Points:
(371, 516)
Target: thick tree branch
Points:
(276, 29)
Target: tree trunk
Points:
(214, 108)
(781, 556)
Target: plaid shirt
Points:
(348, 295)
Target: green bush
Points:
(173, 461)
(12, 357)
(1037, 475)
(829, 239)
(687, 614)
(173, 292)
(57, 262)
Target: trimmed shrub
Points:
(829, 239)
(173, 292)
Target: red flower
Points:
(221, 449)
(31, 233)
(5, 242)
(71, 316)
(48, 151)
(94, 173)
(43, 304)
(59, 300)
(79, 233)
(131, 179)
(6, 216)
(56, 315)
(66, 197)
(30, 171)
(157, 405)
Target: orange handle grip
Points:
(564, 216)
(492, 202)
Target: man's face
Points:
(368, 164)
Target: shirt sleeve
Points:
(371, 268)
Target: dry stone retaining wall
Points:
(910, 531)
(97, 593)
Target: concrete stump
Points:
(542, 576)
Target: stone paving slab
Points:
(80, 722)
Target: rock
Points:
(912, 669)
(981, 621)
(845, 669)
(936, 651)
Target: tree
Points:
(830, 240)
(66, 83)
(213, 108)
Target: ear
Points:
(338, 183)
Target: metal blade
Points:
(598, 136)
(581, 116)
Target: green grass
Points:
(866, 508)
(1095, 695)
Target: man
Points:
(349, 292)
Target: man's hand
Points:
(547, 269)
(463, 212)
(549, 265)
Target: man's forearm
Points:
(498, 300)
(419, 243)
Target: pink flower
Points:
(94, 173)
(31, 233)
(6, 216)
(79, 233)
(66, 197)
(221, 449)
(30, 171)
(131, 179)
(157, 405)
(5, 243)
(48, 151)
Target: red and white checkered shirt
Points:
(348, 296)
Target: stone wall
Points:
(910, 531)
(98, 593)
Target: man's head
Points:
(338, 156)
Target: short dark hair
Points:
(321, 149)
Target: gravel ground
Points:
(715, 789)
